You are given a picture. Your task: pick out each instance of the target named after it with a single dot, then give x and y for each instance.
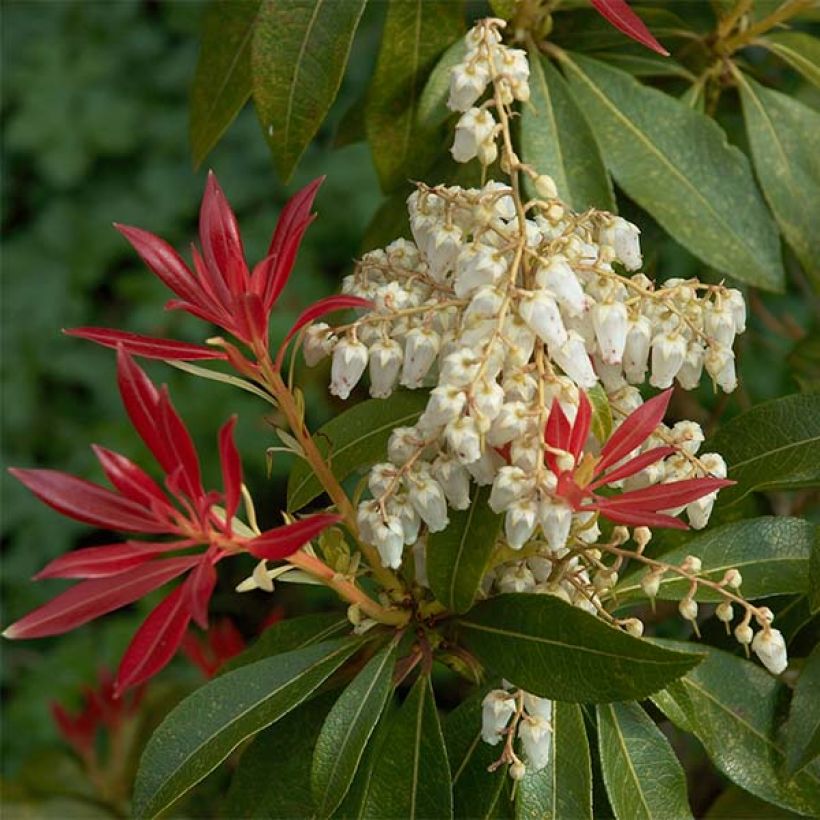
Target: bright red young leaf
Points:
(624, 19)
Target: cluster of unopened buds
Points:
(533, 328)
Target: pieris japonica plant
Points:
(497, 512)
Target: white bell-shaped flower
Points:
(769, 646)
(420, 348)
(385, 363)
(488, 402)
(497, 708)
(688, 435)
(468, 81)
(318, 343)
(443, 245)
(540, 311)
(559, 278)
(427, 498)
(444, 405)
(403, 444)
(477, 265)
(515, 578)
(485, 468)
(573, 359)
(720, 324)
(720, 365)
(636, 349)
(512, 421)
(460, 367)
(400, 507)
(510, 483)
(473, 128)
(555, 518)
(610, 321)
(624, 238)
(454, 480)
(689, 375)
(349, 361)
(463, 439)
(520, 522)
(736, 303)
(535, 734)
(668, 353)
(540, 707)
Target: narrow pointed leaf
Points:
(638, 518)
(624, 19)
(349, 725)
(148, 347)
(129, 479)
(643, 778)
(677, 164)
(156, 641)
(663, 496)
(283, 541)
(90, 599)
(563, 789)
(292, 89)
(181, 446)
(231, 468)
(580, 427)
(209, 724)
(224, 378)
(634, 465)
(803, 727)
(732, 706)
(411, 778)
(355, 439)
(784, 135)
(106, 560)
(601, 425)
(432, 109)
(557, 140)
(457, 556)
(199, 588)
(797, 48)
(557, 651)
(220, 238)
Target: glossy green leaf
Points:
(476, 791)
(563, 789)
(416, 32)
(355, 439)
(411, 777)
(784, 136)
(457, 556)
(644, 65)
(222, 83)
(734, 803)
(290, 634)
(601, 424)
(347, 730)
(775, 445)
(797, 48)
(556, 140)
(677, 165)
(209, 724)
(771, 553)
(432, 109)
(642, 775)
(280, 754)
(732, 706)
(557, 651)
(299, 54)
(803, 727)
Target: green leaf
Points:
(801, 51)
(642, 775)
(601, 424)
(416, 32)
(348, 728)
(299, 53)
(734, 803)
(356, 438)
(556, 140)
(814, 575)
(731, 705)
(209, 724)
(644, 65)
(279, 754)
(781, 133)
(290, 634)
(771, 553)
(476, 791)
(677, 165)
(803, 727)
(222, 83)
(775, 445)
(224, 378)
(411, 778)
(563, 789)
(432, 109)
(457, 556)
(557, 651)
(804, 361)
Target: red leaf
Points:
(291, 226)
(163, 260)
(664, 496)
(91, 599)
(155, 642)
(83, 501)
(132, 481)
(317, 309)
(624, 19)
(180, 443)
(283, 541)
(557, 432)
(634, 429)
(107, 560)
(231, 469)
(220, 238)
(251, 320)
(640, 518)
(200, 586)
(580, 428)
(634, 465)
(146, 346)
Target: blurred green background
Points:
(95, 114)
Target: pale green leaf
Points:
(208, 725)
(347, 730)
(432, 109)
(557, 651)
(732, 705)
(416, 32)
(677, 165)
(771, 553)
(644, 65)
(224, 378)
(642, 775)
(775, 445)
(784, 136)
(355, 439)
(222, 83)
(797, 48)
(601, 424)
(556, 140)
(563, 789)
(299, 54)
(411, 776)
(803, 727)
(457, 556)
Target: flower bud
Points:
(349, 362)
(691, 564)
(634, 627)
(732, 578)
(651, 583)
(688, 609)
(545, 187)
(517, 770)
(744, 633)
(641, 536)
(402, 444)
(769, 646)
(724, 612)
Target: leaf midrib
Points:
(622, 743)
(790, 445)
